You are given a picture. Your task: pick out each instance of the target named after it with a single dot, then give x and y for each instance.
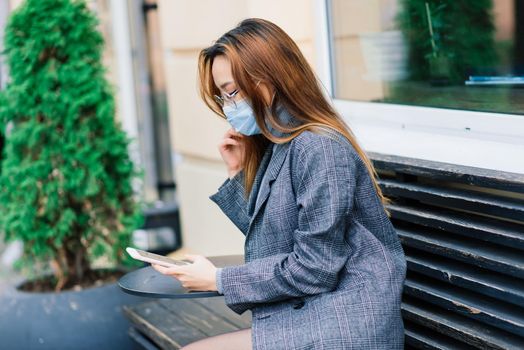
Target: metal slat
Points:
(493, 312)
(481, 254)
(461, 199)
(461, 328)
(497, 286)
(465, 224)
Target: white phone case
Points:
(152, 258)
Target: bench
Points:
(173, 323)
(462, 229)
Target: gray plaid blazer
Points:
(324, 268)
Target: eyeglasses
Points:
(227, 98)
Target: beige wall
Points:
(14, 3)
(187, 27)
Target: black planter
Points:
(87, 319)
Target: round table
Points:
(148, 282)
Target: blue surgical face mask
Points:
(242, 118)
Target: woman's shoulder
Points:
(323, 141)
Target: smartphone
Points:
(142, 255)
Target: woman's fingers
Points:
(175, 270)
(233, 133)
(199, 275)
(192, 257)
(229, 142)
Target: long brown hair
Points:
(260, 51)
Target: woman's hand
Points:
(200, 275)
(231, 149)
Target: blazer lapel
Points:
(258, 179)
(271, 173)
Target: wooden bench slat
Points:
(494, 285)
(141, 340)
(200, 317)
(459, 327)
(464, 224)
(475, 176)
(493, 312)
(457, 198)
(161, 326)
(470, 251)
(218, 305)
(420, 338)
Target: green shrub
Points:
(66, 179)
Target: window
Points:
(457, 54)
(367, 61)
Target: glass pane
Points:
(458, 54)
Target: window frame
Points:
(480, 139)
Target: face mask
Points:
(242, 119)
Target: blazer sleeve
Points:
(324, 181)
(231, 200)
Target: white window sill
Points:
(485, 140)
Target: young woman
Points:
(324, 268)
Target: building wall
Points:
(14, 3)
(186, 28)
